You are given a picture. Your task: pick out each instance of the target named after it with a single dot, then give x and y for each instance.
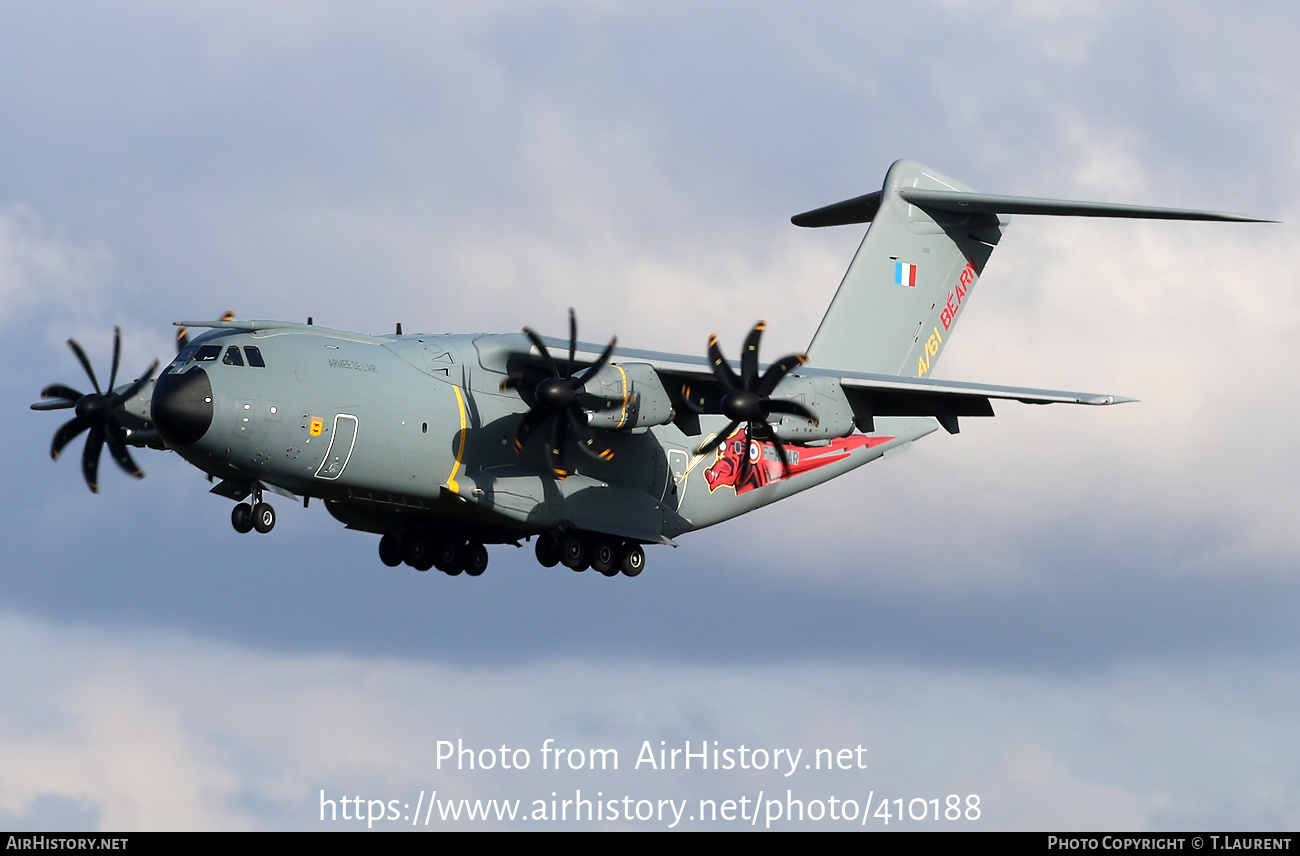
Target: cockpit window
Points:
(187, 354)
(232, 357)
(254, 356)
(207, 353)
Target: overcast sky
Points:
(1083, 616)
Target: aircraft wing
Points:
(856, 397)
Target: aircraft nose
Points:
(182, 406)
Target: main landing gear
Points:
(578, 551)
(423, 552)
(575, 550)
(259, 515)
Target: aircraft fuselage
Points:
(402, 432)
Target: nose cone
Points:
(182, 406)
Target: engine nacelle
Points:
(636, 388)
(825, 398)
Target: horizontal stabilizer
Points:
(860, 209)
(941, 388)
(863, 209)
(960, 202)
(871, 396)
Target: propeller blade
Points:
(85, 363)
(745, 465)
(53, 405)
(117, 448)
(597, 366)
(182, 338)
(780, 451)
(66, 435)
(704, 400)
(573, 341)
(512, 381)
(688, 398)
(541, 349)
(749, 356)
(555, 448)
(596, 404)
(527, 425)
(136, 386)
(58, 390)
(718, 439)
(117, 357)
(781, 405)
(721, 370)
(586, 439)
(777, 372)
(90, 458)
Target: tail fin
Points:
(909, 281)
(929, 240)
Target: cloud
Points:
(166, 731)
(39, 268)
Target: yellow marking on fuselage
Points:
(460, 447)
(622, 417)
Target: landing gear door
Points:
(336, 457)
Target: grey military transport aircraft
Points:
(442, 444)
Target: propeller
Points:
(747, 398)
(98, 412)
(183, 332)
(558, 398)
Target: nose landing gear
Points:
(259, 515)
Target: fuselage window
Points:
(232, 357)
(255, 356)
(207, 353)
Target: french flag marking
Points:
(905, 274)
